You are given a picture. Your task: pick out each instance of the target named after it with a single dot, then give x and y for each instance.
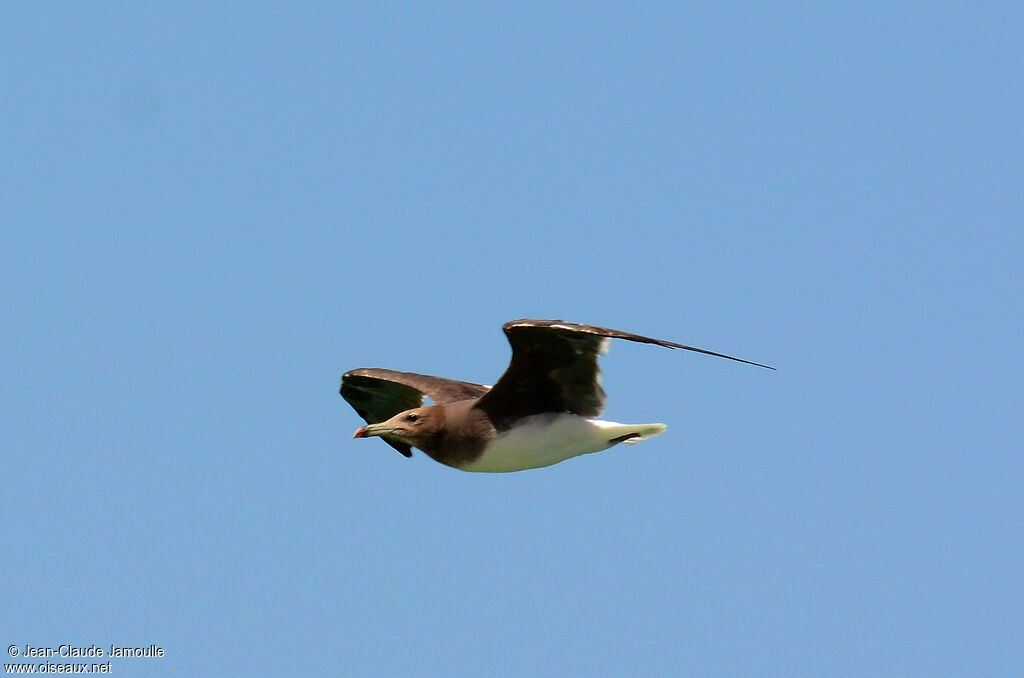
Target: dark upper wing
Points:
(554, 369)
(377, 394)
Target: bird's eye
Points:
(412, 417)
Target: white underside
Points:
(546, 439)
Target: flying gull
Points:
(540, 412)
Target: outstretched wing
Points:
(377, 394)
(554, 369)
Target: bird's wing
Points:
(377, 394)
(554, 369)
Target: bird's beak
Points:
(372, 430)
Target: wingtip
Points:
(672, 344)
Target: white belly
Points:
(546, 439)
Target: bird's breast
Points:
(541, 440)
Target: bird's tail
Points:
(631, 434)
(644, 431)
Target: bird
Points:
(542, 411)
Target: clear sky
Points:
(209, 213)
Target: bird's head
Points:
(414, 427)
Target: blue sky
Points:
(210, 213)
